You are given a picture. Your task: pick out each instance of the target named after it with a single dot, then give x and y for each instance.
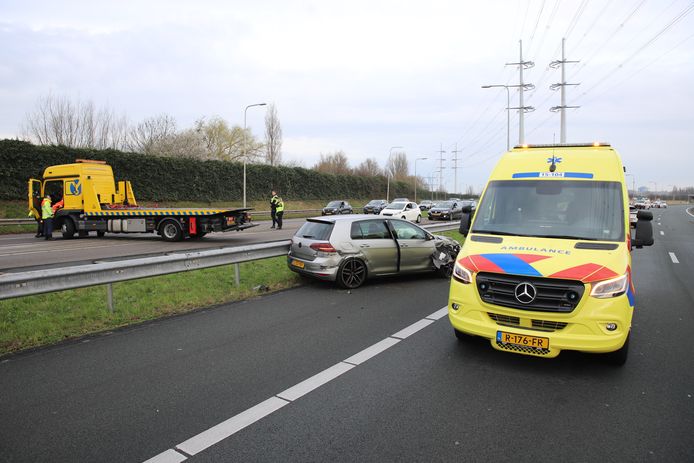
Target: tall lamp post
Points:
(508, 113)
(633, 185)
(245, 148)
(390, 153)
(415, 177)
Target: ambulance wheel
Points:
(619, 357)
(171, 230)
(68, 228)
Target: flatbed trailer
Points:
(92, 203)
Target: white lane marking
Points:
(231, 426)
(169, 456)
(374, 350)
(225, 429)
(442, 312)
(662, 233)
(412, 329)
(674, 258)
(315, 381)
(688, 211)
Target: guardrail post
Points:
(109, 296)
(237, 275)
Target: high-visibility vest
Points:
(280, 205)
(46, 210)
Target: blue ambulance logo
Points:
(75, 188)
(553, 160)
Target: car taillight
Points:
(323, 247)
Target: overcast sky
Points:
(363, 76)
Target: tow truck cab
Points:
(546, 265)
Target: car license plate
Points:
(297, 263)
(522, 340)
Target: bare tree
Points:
(228, 143)
(397, 166)
(273, 136)
(368, 168)
(59, 121)
(335, 163)
(148, 136)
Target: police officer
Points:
(279, 212)
(47, 216)
(273, 208)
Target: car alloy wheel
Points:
(352, 274)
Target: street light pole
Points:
(390, 153)
(508, 113)
(245, 148)
(415, 177)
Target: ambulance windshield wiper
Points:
(568, 237)
(500, 233)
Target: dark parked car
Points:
(337, 207)
(446, 210)
(375, 206)
(426, 205)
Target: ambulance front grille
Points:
(552, 295)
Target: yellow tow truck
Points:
(92, 202)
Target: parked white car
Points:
(403, 210)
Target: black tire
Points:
(170, 230)
(619, 357)
(419, 218)
(68, 228)
(351, 274)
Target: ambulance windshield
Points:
(571, 209)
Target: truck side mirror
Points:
(644, 229)
(465, 220)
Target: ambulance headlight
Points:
(610, 288)
(462, 274)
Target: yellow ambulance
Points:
(546, 264)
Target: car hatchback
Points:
(350, 249)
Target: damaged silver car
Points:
(350, 249)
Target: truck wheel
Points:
(171, 230)
(68, 228)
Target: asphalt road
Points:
(192, 380)
(20, 252)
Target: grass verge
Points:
(48, 318)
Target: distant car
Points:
(659, 204)
(446, 210)
(337, 207)
(401, 200)
(632, 216)
(403, 210)
(642, 203)
(663, 204)
(350, 249)
(375, 206)
(425, 205)
(469, 202)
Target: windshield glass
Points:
(445, 205)
(375, 202)
(397, 206)
(552, 208)
(334, 204)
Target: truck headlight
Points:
(462, 274)
(610, 288)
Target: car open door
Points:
(35, 197)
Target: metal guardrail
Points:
(17, 222)
(58, 279)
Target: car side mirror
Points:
(465, 220)
(644, 229)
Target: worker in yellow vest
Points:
(279, 211)
(47, 216)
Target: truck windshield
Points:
(571, 209)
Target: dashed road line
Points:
(674, 258)
(236, 423)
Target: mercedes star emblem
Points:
(525, 293)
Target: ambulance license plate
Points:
(522, 340)
(297, 263)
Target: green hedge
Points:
(174, 179)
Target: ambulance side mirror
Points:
(644, 229)
(465, 220)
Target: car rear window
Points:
(316, 230)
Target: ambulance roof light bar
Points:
(563, 145)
